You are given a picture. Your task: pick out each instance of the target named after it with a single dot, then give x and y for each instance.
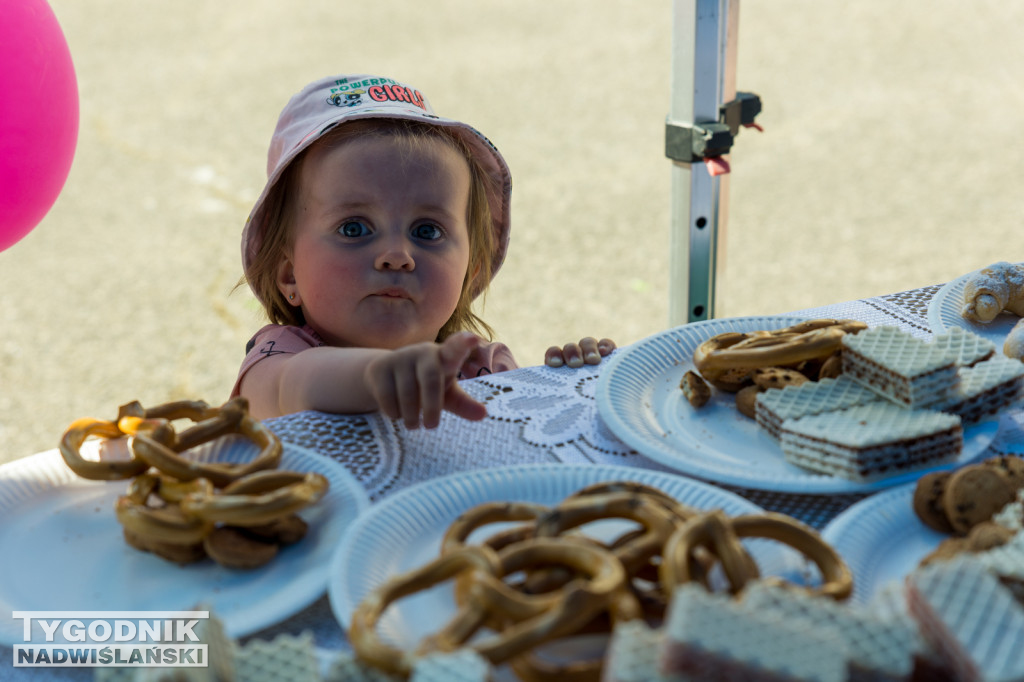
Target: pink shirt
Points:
(275, 339)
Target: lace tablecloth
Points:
(540, 414)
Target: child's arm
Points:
(408, 383)
(588, 351)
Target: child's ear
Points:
(286, 282)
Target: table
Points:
(540, 414)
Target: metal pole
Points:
(704, 41)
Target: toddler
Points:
(379, 225)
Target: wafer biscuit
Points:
(985, 388)
(867, 442)
(970, 348)
(970, 619)
(708, 635)
(900, 367)
(813, 397)
(877, 648)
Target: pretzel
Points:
(657, 520)
(837, 580)
(714, 531)
(175, 409)
(178, 554)
(652, 508)
(232, 548)
(503, 538)
(163, 524)
(525, 597)
(808, 340)
(262, 482)
(255, 509)
(363, 634)
(153, 441)
(677, 508)
(232, 417)
(483, 514)
(603, 574)
(98, 470)
(133, 417)
(489, 512)
(252, 517)
(535, 619)
(622, 607)
(166, 488)
(715, 528)
(210, 423)
(488, 600)
(185, 528)
(575, 584)
(645, 581)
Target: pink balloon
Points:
(38, 115)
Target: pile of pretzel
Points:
(183, 509)
(541, 580)
(746, 363)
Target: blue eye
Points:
(353, 228)
(427, 231)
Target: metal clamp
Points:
(692, 142)
(740, 112)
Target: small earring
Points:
(291, 297)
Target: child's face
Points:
(381, 244)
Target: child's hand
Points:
(588, 351)
(421, 379)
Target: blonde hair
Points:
(280, 204)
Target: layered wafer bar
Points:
(1006, 562)
(461, 665)
(972, 621)
(285, 657)
(900, 367)
(710, 637)
(347, 668)
(868, 442)
(810, 398)
(985, 388)
(970, 348)
(878, 649)
(633, 653)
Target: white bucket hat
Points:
(328, 102)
